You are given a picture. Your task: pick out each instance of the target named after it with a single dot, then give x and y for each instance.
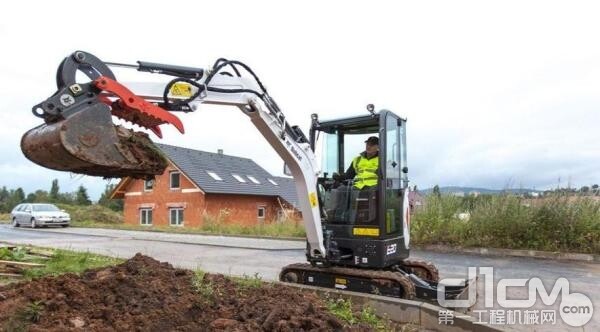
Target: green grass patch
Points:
(61, 261)
(204, 288)
(344, 310)
(276, 230)
(64, 261)
(287, 227)
(92, 214)
(246, 281)
(556, 223)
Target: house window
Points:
(262, 212)
(148, 185)
(253, 179)
(176, 216)
(273, 182)
(214, 175)
(239, 178)
(146, 217)
(174, 180)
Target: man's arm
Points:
(349, 174)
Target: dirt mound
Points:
(143, 294)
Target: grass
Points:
(556, 223)
(248, 282)
(277, 230)
(62, 261)
(92, 214)
(204, 288)
(344, 310)
(287, 227)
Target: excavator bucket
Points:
(87, 142)
(78, 134)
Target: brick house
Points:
(198, 185)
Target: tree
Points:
(436, 191)
(4, 198)
(30, 198)
(15, 197)
(41, 196)
(68, 198)
(81, 197)
(113, 204)
(54, 191)
(19, 195)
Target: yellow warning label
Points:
(181, 89)
(341, 281)
(312, 197)
(365, 231)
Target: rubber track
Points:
(404, 282)
(432, 273)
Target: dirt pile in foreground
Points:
(143, 294)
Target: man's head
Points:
(372, 145)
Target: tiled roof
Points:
(197, 165)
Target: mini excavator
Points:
(357, 240)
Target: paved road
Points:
(248, 256)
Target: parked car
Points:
(39, 215)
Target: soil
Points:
(143, 294)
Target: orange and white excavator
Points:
(357, 239)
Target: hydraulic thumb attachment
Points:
(78, 134)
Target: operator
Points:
(363, 168)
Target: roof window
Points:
(214, 175)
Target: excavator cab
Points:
(365, 226)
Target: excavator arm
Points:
(78, 134)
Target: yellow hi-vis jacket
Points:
(366, 171)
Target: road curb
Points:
(176, 241)
(424, 314)
(286, 238)
(563, 256)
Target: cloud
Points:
(493, 93)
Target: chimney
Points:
(220, 151)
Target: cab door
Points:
(393, 167)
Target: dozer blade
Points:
(87, 142)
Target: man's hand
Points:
(337, 177)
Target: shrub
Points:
(92, 213)
(556, 223)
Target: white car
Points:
(39, 215)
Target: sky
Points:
(497, 94)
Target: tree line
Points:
(9, 198)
